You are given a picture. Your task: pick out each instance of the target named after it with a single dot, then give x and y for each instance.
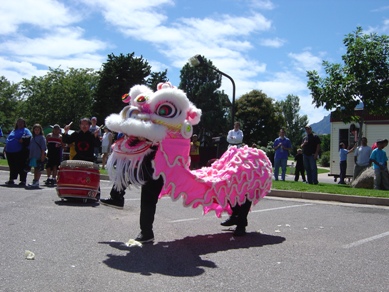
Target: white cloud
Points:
(306, 61)
(262, 4)
(275, 43)
(59, 42)
(41, 14)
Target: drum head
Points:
(79, 163)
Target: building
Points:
(374, 128)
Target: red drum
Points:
(78, 179)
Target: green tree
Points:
(362, 79)
(260, 116)
(155, 78)
(325, 145)
(59, 96)
(9, 99)
(201, 85)
(294, 123)
(117, 76)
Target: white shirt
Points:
(107, 138)
(363, 155)
(235, 137)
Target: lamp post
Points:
(197, 60)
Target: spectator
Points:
(84, 140)
(343, 162)
(362, 157)
(106, 144)
(17, 151)
(194, 153)
(282, 146)
(37, 154)
(94, 128)
(379, 159)
(235, 136)
(299, 166)
(54, 154)
(311, 147)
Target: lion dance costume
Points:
(163, 120)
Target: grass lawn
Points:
(328, 188)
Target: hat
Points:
(56, 126)
(382, 140)
(194, 135)
(308, 127)
(94, 118)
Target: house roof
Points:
(369, 119)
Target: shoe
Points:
(34, 184)
(240, 231)
(118, 204)
(22, 184)
(53, 181)
(48, 182)
(229, 222)
(143, 238)
(10, 183)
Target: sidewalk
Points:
(324, 178)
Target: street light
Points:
(197, 60)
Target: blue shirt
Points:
(380, 156)
(13, 145)
(282, 153)
(343, 154)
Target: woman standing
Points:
(37, 154)
(17, 151)
(106, 144)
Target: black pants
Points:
(148, 202)
(241, 212)
(343, 168)
(17, 162)
(297, 173)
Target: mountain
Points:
(322, 127)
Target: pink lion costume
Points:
(164, 119)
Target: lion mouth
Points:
(132, 145)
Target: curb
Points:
(308, 195)
(330, 197)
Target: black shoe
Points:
(118, 204)
(22, 184)
(229, 222)
(10, 183)
(240, 231)
(143, 238)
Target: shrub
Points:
(325, 159)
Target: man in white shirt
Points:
(235, 136)
(361, 157)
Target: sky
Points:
(266, 45)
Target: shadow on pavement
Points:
(182, 257)
(77, 203)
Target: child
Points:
(299, 166)
(37, 154)
(54, 154)
(194, 153)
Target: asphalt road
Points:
(292, 245)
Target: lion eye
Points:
(141, 99)
(167, 110)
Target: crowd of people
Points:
(26, 150)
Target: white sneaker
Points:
(34, 184)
